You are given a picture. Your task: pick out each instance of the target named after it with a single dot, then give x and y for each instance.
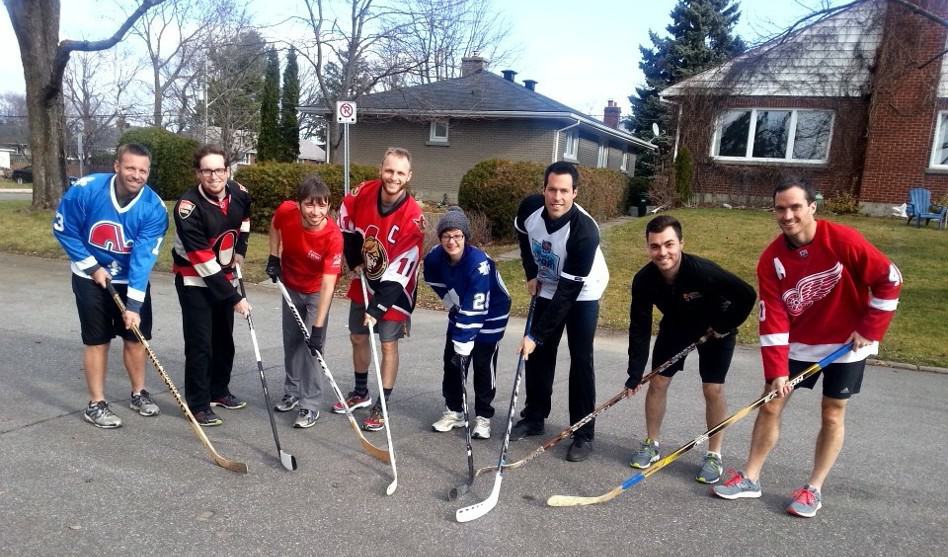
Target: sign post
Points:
(345, 115)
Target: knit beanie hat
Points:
(455, 218)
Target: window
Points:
(940, 148)
(572, 145)
(603, 160)
(438, 132)
(625, 162)
(773, 135)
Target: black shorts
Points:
(714, 356)
(840, 380)
(388, 331)
(99, 317)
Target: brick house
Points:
(856, 101)
(451, 125)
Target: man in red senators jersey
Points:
(212, 227)
(383, 229)
(822, 285)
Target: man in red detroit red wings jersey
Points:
(383, 229)
(821, 285)
(212, 227)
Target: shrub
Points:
(603, 192)
(841, 203)
(637, 185)
(271, 183)
(684, 170)
(171, 158)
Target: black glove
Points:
(315, 341)
(633, 380)
(273, 267)
(461, 362)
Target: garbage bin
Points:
(641, 200)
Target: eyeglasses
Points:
(456, 238)
(208, 172)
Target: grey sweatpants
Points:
(304, 379)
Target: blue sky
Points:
(581, 53)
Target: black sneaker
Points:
(526, 428)
(229, 401)
(579, 450)
(207, 418)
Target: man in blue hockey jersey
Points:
(468, 283)
(111, 226)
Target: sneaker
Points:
(306, 418)
(449, 420)
(805, 502)
(229, 401)
(287, 403)
(143, 404)
(354, 400)
(579, 450)
(100, 415)
(375, 421)
(526, 428)
(481, 428)
(737, 486)
(207, 418)
(646, 455)
(711, 469)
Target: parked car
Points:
(22, 175)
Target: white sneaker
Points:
(481, 428)
(449, 420)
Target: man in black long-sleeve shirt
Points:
(565, 269)
(695, 296)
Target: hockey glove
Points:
(273, 268)
(315, 341)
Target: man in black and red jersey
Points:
(383, 229)
(212, 227)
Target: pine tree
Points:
(289, 123)
(269, 142)
(701, 38)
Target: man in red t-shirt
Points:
(306, 254)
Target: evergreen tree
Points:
(269, 142)
(700, 38)
(289, 123)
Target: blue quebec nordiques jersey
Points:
(94, 230)
(474, 293)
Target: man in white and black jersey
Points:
(565, 269)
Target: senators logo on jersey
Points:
(373, 254)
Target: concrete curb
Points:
(909, 367)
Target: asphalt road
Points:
(67, 488)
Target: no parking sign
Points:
(345, 112)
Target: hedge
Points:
(271, 183)
(171, 160)
(495, 188)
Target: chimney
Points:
(611, 114)
(509, 74)
(472, 64)
(530, 84)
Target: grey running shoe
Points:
(287, 403)
(100, 415)
(711, 470)
(448, 421)
(737, 486)
(207, 418)
(805, 502)
(646, 455)
(229, 401)
(481, 428)
(143, 404)
(306, 418)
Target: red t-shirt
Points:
(307, 254)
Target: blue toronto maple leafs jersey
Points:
(94, 230)
(474, 293)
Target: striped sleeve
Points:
(774, 323)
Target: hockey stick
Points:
(465, 487)
(286, 459)
(368, 447)
(477, 510)
(570, 500)
(378, 375)
(231, 465)
(624, 393)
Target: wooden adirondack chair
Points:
(919, 207)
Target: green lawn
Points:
(6, 184)
(732, 238)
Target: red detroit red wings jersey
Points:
(306, 254)
(813, 297)
(387, 244)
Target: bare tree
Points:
(44, 58)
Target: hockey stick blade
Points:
(477, 510)
(226, 463)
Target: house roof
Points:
(830, 57)
(310, 151)
(480, 94)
